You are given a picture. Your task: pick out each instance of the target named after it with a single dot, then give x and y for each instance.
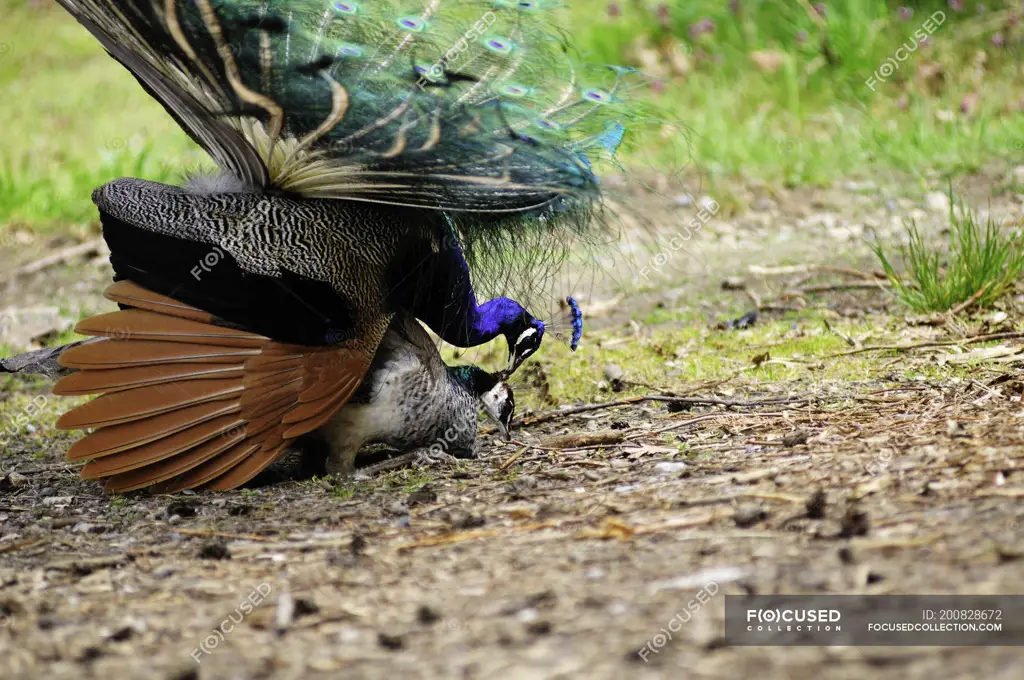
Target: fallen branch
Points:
(969, 302)
(696, 401)
(221, 534)
(806, 268)
(21, 545)
(850, 285)
(513, 458)
(60, 257)
(937, 343)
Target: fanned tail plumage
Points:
(462, 105)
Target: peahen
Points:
(368, 154)
(410, 400)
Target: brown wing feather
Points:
(188, 401)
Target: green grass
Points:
(980, 262)
(815, 119)
(73, 120)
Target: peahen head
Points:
(493, 393)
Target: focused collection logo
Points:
(790, 620)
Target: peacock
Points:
(370, 156)
(410, 400)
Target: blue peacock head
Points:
(523, 340)
(525, 337)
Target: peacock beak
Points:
(503, 429)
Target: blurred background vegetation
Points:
(773, 91)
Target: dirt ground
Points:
(559, 559)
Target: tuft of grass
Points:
(982, 263)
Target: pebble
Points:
(528, 615)
(669, 467)
(937, 201)
(427, 614)
(16, 479)
(859, 186)
(390, 641)
(749, 514)
(613, 372)
(163, 571)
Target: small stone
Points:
(16, 480)
(613, 373)
(422, 496)
(669, 467)
(749, 514)
(709, 204)
(795, 438)
(184, 674)
(764, 205)
(684, 200)
(390, 641)
(163, 571)
(214, 550)
(539, 628)
(936, 201)
(58, 501)
(125, 632)
(87, 528)
(733, 283)
(524, 483)
(305, 607)
(528, 615)
(427, 615)
(461, 520)
(815, 505)
(357, 546)
(181, 509)
(855, 523)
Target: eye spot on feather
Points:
(412, 24)
(350, 50)
(432, 72)
(597, 96)
(345, 7)
(513, 90)
(548, 124)
(498, 45)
